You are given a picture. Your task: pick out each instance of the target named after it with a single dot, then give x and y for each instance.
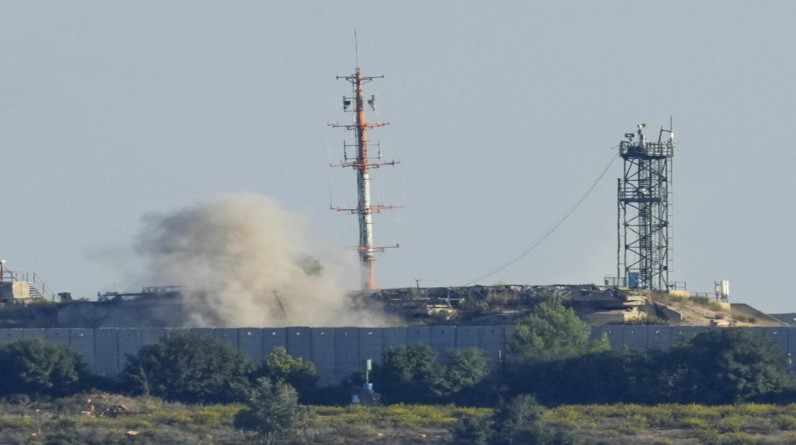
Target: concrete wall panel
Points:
(250, 341)
(106, 351)
(658, 337)
(635, 337)
(418, 334)
(299, 342)
(371, 344)
(152, 335)
(597, 331)
(492, 340)
(678, 333)
(229, 335)
(130, 342)
(443, 338)
(7, 335)
(58, 335)
(346, 358)
(83, 341)
(467, 337)
(323, 354)
(394, 338)
(615, 336)
(273, 337)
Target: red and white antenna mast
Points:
(362, 164)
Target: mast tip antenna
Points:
(356, 50)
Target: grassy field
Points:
(677, 424)
(112, 419)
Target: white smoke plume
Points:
(240, 261)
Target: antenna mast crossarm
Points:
(369, 165)
(367, 126)
(371, 209)
(353, 77)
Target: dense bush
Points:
(411, 374)
(725, 366)
(189, 367)
(462, 379)
(605, 377)
(38, 367)
(473, 430)
(406, 374)
(272, 410)
(714, 367)
(552, 332)
(517, 422)
(279, 366)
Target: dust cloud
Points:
(241, 262)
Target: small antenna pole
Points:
(356, 50)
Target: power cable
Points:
(553, 229)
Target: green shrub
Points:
(271, 410)
(733, 423)
(411, 374)
(552, 332)
(38, 367)
(723, 366)
(189, 367)
(786, 423)
(473, 430)
(281, 366)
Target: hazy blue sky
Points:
(502, 114)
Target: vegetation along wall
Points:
(337, 352)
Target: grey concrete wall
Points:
(299, 342)
(338, 352)
(323, 354)
(106, 351)
(130, 341)
(250, 341)
(492, 340)
(273, 337)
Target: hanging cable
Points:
(553, 229)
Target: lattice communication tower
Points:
(362, 164)
(643, 210)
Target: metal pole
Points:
(618, 230)
(363, 189)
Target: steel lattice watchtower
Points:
(643, 211)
